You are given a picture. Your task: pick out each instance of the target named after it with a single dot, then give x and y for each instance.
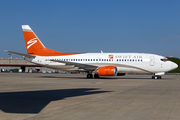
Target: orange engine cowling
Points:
(107, 71)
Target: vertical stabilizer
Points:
(33, 44)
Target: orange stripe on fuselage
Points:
(58, 54)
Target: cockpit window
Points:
(164, 59)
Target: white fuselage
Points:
(125, 62)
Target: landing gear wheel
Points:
(96, 76)
(156, 77)
(89, 76)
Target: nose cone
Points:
(173, 65)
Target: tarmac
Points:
(38, 96)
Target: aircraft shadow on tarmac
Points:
(35, 101)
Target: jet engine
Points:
(107, 71)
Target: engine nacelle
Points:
(107, 71)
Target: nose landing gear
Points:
(156, 77)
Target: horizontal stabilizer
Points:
(25, 55)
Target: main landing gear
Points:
(156, 77)
(90, 75)
(96, 76)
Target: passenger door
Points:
(152, 61)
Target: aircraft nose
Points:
(173, 65)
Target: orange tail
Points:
(34, 45)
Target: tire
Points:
(89, 76)
(96, 76)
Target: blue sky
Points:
(143, 26)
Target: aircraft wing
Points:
(79, 65)
(25, 55)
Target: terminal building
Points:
(20, 65)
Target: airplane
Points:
(95, 64)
